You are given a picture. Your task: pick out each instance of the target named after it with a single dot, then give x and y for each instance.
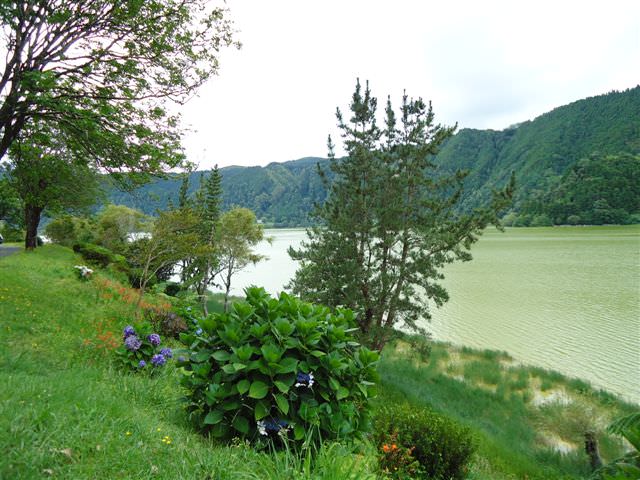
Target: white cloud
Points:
(484, 64)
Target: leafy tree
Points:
(116, 223)
(47, 177)
(174, 235)
(389, 224)
(238, 233)
(102, 72)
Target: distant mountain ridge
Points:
(539, 151)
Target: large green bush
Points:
(442, 447)
(274, 368)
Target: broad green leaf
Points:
(288, 365)
(241, 424)
(298, 431)
(342, 393)
(282, 402)
(221, 355)
(261, 410)
(283, 387)
(243, 386)
(201, 356)
(258, 390)
(213, 417)
(334, 384)
(271, 353)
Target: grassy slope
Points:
(522, 416)
(66, 412)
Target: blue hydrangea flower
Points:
(199, 331)
(158, 360)
(304, 380)
(154, 339)
(132, 343)
(166, 352)
(142, 364)
(128, 331)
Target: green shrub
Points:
(442, 447)
(274, 368)
(99, 255)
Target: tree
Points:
(201, 270)
(102, 72)
(116, 223)
(388, 225)
(174, 235)
(46, 176)
(238, 233)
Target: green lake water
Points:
(563, 298)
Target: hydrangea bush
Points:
(279, 368)
(141, 349)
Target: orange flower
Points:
(394, 447)
(385, 448)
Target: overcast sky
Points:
(483, 64)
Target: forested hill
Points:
(281, 194)
(540, 151)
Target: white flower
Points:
(262, 430)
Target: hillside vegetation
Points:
(540, 151)
(67, 411)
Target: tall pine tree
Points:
(388, 225)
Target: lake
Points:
(563, 298)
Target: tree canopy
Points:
(102, 72)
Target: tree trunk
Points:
(591, 447)
(32, 220)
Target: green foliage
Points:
(628, 466)
(100, 256)
(238, 232)
(115, 224)
(11, 215)
(542, 150)
(596, 190)
(389, 224)
(442, 447)
(273, 368)
(108, 98)
(68, 230)
(280, 194)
